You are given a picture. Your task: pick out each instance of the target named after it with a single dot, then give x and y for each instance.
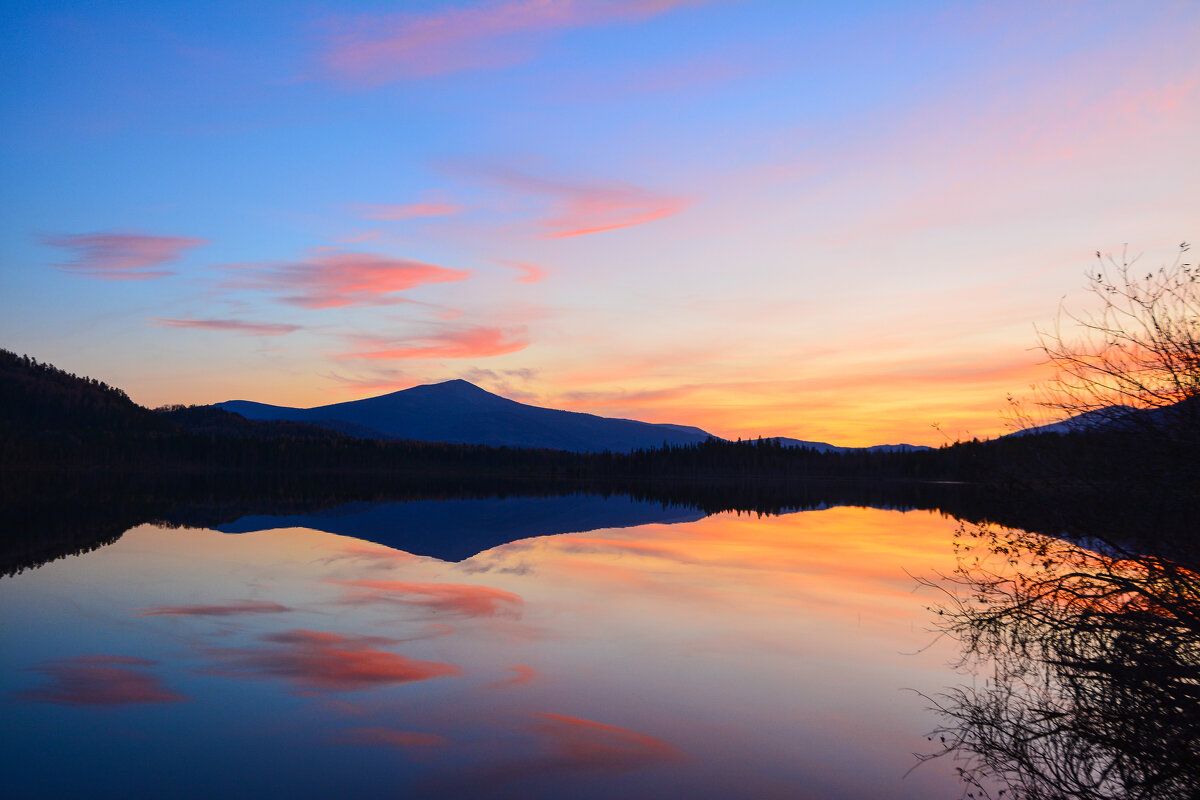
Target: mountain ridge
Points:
(444, 412)
(459, 412)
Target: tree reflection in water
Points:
(1087, 667)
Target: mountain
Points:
(461, 413)
(825, 447)
(1112, 417)
(1174, 419)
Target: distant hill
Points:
(825, 447)
(1171, 419)
(459, 412)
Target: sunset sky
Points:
(831, 221)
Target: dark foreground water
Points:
(664, 653)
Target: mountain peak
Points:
(458, 411)
(456, 387)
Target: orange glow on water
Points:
(679, 650)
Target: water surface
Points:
(727, 655)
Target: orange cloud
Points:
(410, 211)
(99, 680)
(378, 49)
(330, 662)
(121, 256)
(237, 326)
(470, 342)
(392, 737)
(890, 396)
(330, 280)
(466, 600)
(230, 609)
(586, 544)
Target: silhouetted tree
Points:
(1138, 349)
(1086, 645)
(1090, 667)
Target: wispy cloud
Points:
(529, 273)
(563, 745)
(392, 737)
(584, 744)
(579, 208)
(235, 608)
(329, 661)
(372, 235)
(409, 211)
(377, 49)
(511, 383)
(99, 680)
(522, 674)
(457, 342)
(600, 210)
(236, 326)
(121, 256)
(466, 600)
(377, 379)
(331, 280)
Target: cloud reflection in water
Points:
(317, 660)
(99, 680)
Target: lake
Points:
(580, 646)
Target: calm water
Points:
(666, 654)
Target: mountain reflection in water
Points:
(546, 640)
(45, 519)
(731, 656)
(453, 530)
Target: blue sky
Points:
(831, 221)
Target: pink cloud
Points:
(392, 737)
(609, 212)
(377, 49)
(579, 209)
(237, 326)
(99, 680)
(530, 273)
(229, 609)
(121, 256)
(410, 211)
(331, 280)
(467, 600)
(316, 660)
(469, 342)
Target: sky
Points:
(830, 221)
